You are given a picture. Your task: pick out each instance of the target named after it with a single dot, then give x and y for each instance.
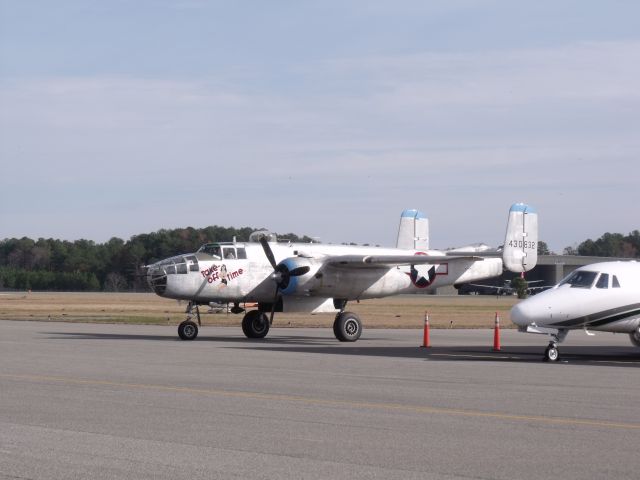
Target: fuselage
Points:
(602, 296)
(240, 272)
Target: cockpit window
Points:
(192, 261)
(615, 283)
(242, 253)
(580, 279)
(211, 249)
(603, 281)
(181, 268)
(229, 253)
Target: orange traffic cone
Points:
(426, 342)
(496, 334)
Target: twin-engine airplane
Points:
(602, 296)
(295, 277)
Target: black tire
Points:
(255, 324)
(347, 327)
(551, 354)
(188, 330)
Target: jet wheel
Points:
(188, 330)
(347, 327)
(551, 354)
(255, 324)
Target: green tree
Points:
(520, 284)
(543, 249)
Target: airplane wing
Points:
(376, 261)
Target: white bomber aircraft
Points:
(315, 278)
(602, 296)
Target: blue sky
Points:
(325, 118)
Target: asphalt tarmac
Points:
(117, 401)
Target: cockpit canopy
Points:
(227, 251)
(589, 278)
(255, 236)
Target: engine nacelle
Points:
(295, 275)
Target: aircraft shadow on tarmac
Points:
(576, 355)
(604, 356)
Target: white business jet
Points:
(316, 278)
(602, 296)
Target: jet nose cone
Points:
(521, 314)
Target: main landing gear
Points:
(255, 324)
(347, 326)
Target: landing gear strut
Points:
(188, 329)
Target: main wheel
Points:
(255, 324)
(347, 327)
(551, 354)
(187, 330)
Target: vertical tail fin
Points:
(520, 251)
(413, 233)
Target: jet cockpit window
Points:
(603, 281)
(615, 283)
(229, 253)
(580, 279)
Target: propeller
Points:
(281, 274)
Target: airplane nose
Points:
(521, 314)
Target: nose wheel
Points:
(188, 330)
(551, 354)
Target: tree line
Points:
(116, 265)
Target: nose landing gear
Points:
(551, 354)
(188, 330)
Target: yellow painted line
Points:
(328, 402)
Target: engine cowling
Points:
(293, 275)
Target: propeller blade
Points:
(268, 252)
(273, 306)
